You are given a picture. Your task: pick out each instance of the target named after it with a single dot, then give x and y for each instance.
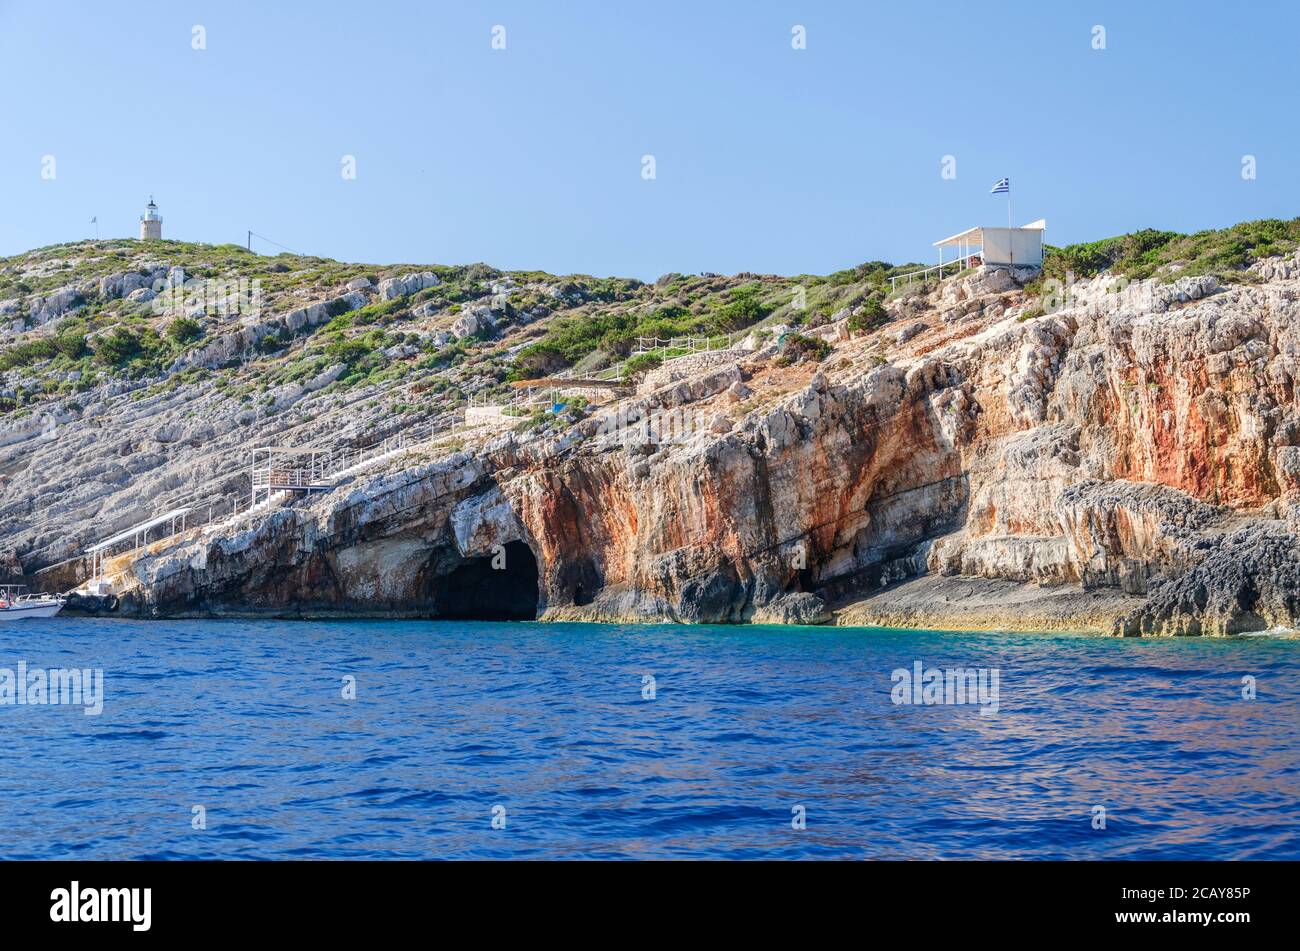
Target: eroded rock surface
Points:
(1129, 461)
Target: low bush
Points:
(182, 330)
(870, 316)
(641, 364)
(118, 348)
(25, 354)
(796, 348)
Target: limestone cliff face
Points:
(378, 549)
(1140, 444)
(832, 481)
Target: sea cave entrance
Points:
(478, 591)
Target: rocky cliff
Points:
(1123, 457)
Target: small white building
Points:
(1018, 247)
(151, 223)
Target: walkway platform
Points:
(137, 534)
(569, 382)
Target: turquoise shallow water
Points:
(549, 723)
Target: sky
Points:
(766, 158)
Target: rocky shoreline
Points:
(1127, 463)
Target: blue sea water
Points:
(549, 722)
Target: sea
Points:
(464, 740)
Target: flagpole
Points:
(1011, 241)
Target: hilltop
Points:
(149, 346)
(1092, 436)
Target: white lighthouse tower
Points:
(151, 223)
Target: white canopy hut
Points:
(1021, 247)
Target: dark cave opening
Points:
(477, 591)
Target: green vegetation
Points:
(796, 348)
(71, 343)
(271, 343)
(874, 273)
(550, 323)
(118, 348)
(25, 354)
(570, 339)
(354, 350)
(381, 312)
(743, 308)
(182, 330)
(870, 316)
(134, 350)
(1226, 253)
(538, 360)
(641, 364)
(65, 349)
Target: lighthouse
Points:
(151, 223)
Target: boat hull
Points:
(18, 612)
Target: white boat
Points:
(16, 604)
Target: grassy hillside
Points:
(397, 348)
(1226, 252)
(403, 351)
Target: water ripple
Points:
(458, 728)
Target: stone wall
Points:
(679, 368)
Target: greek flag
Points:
(1002, 187)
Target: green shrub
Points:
(337, 307)
(25, 354)
(871, 272)
(1140, 254)
(184, 329)
(1126, 253)
(118, 348)
(271, 343)
(641, 364)
(538, 360)
(869, 316)
(743, 308)
(347, 350)
(71, 344)
(796, 348)
(359, 353)
(380, 311)
(571, 338)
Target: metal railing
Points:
(275, 482)
(954, 266)
(690, 344)
(279, 480)
(609, 374)
(289, 479)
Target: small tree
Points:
(796, 348)
(641, 364)
(118, 347)
(538, 360)
(869, 316)
(184, 329)
(71, 344)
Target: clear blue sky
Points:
(768, 159)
